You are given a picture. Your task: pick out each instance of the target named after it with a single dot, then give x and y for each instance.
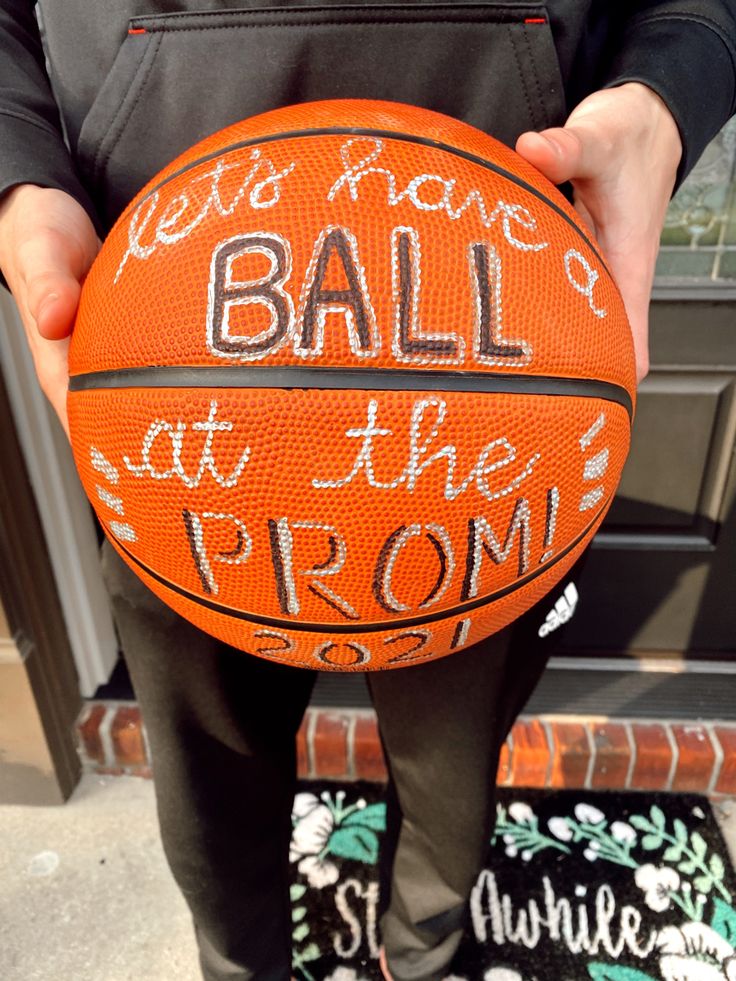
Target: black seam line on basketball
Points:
(337, 379)
(387, 134)
(357, 628)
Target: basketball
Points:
(351, 387)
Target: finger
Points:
(57, 396)
(60, 409)
(51, 360)
(51, 283)
(637, 310)
(566, 153)
(632, 266)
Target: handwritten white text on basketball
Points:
(432, 192)
(427, 417)
(176, 434)
(151, 226)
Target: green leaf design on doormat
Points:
(724, 920)
(357, 842)
(373, 816)
(518, 827)
(301, 957)
(687, 851)
(616, 972)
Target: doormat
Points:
(578, 886)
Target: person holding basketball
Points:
(616, 102)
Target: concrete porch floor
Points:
(87, 895)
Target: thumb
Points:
(47, 244)
(564, 153)
(51, 280)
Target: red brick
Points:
(503, 774)
(530, 759)
(695, 760)
(302, 752)
(127, 737)
(330, 745)
(653, 757)
(570, 754)
(726, 783)
(612, 756)
(89, 731)
(367, 752)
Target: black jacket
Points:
(106, 92)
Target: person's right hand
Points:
(47, 244)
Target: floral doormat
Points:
(578, 886)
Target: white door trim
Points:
(65, 513)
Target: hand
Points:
(47, 244)
(620, 149)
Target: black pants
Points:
(222, 725)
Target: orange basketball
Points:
(351, 386)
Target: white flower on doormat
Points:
(326, 827)
(309, 839)
(695, 952)
(622, 831)
(588, 814)
(521, 812)
(657, 882)
(344, 974)
(560, 828)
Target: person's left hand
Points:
(620, 149)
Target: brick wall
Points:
(540, 752)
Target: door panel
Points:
(661, 572)
(682, 430)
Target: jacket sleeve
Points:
(32, 147)
(685, 50)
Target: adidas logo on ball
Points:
(563, 610)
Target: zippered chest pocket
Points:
(179, 77)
